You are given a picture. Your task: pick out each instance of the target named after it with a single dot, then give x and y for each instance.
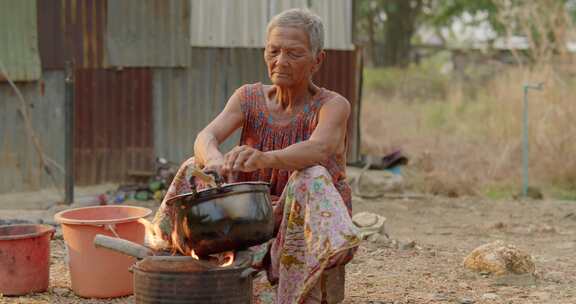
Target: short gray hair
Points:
(302, 19)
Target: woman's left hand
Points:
(244, 159)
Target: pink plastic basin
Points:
(97, 272)
(24, 258)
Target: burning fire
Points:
(153, 237)
(223, 259)
(178, 245)
(227, 258)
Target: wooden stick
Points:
(122, 246)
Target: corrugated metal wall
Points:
(85, 28)
(113, 124)
(237, 24)
(19, 165)
(341, 73)
(185, 101)
(148, 33)
(337, 18)
(277, 6)
(19, 46)
(126, 115)
(51, 27)
(71, 29)
(224, 23)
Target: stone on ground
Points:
(499, 259)
(370, 224)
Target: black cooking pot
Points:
(226, 217)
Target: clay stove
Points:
(175, 279)
(160, 277)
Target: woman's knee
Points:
(315, 172)
(302, 179)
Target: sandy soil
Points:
(444, 231)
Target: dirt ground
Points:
(429, 270)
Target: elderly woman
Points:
(294, 137)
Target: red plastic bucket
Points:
(24, 259)
(97, 272)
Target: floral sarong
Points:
(315, 228)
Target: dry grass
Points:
(466, 137)
(472, 145)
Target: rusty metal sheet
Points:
(148, 33)
(341, 73)
(51, 33)
(71, 29)
(186, 100)
(19, 57)
(113, 124)
(20, 169)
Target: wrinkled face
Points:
(289, 57)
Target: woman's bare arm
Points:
(327, 139)
(229, 120)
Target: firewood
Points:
(122, 246)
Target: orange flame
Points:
(153, 237)
(227, 258)
(180, 233)
(177, 242)
(223, 259)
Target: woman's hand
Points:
(215, 164)
(245, 159)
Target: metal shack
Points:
(148, 75)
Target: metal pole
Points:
(69, 133)
(525, 143)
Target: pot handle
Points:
(209, 177)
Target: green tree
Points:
(445, 12)
(369, 25)
(391, 23)
(401, 24)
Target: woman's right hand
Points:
(218, 166)
(215, 165)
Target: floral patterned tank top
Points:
(261, 132)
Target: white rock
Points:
(369, 224)
(365, 219)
